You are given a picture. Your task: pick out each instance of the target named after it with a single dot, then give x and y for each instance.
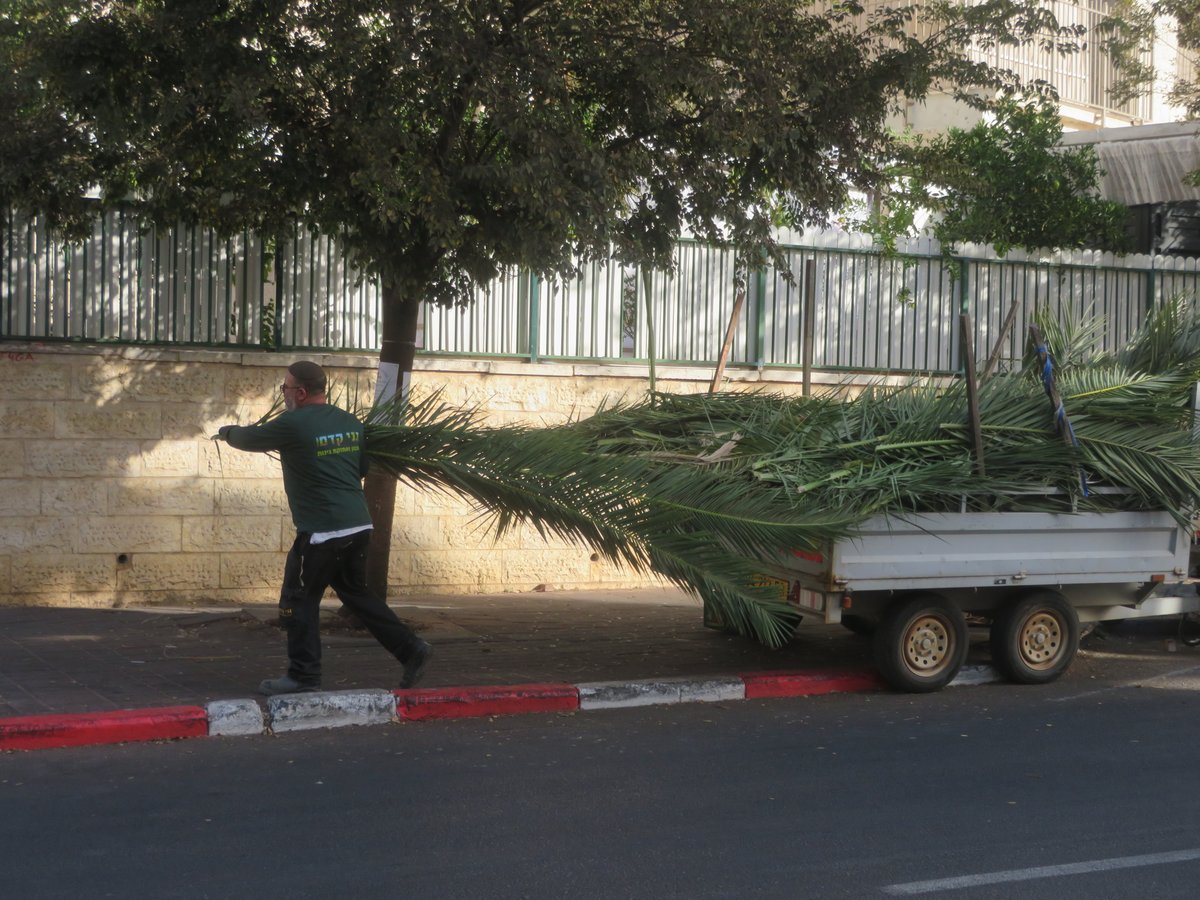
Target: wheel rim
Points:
(1041, 640)
(928, 645)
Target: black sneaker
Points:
(414, 668)
(286, 685)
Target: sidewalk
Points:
(71, 662)
(89, 660)
(60, 669)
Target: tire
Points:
(1189, 629)
(1034, 638)
(859, 624)
(921, 643)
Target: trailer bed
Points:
(936, 551)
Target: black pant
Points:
(342, 565)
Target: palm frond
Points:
(703, 489)
(1168, 339)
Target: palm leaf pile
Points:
(701, 488)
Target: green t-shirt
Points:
(321, 450)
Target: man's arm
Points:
(272, 435)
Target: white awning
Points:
(1144, 163)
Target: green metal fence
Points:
(838, 304)
(131, 284)
(317, 300)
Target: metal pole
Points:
(535, 312)
(807, 325)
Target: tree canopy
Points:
(1186, 13)
(1005, 182)
(441, 140)
(1130, 33)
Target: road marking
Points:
(1128, 684)
(1083, 868)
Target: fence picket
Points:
(871, 311)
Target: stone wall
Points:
(113, 494)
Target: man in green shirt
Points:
(321, 450)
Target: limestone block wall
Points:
(112, 492)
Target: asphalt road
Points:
(1077, 789)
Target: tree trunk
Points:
(396, 354)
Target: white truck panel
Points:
(988, 549)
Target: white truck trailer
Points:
(913, 580)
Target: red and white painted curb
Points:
(335, 709)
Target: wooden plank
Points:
(994, 356)
(730, 329)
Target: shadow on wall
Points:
(111, 491)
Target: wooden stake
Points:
(725, 347)
(994, 358)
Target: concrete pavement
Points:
(72, 677)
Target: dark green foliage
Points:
(1129, 34)
(1006, 182)
(696, 527)
(439, 141)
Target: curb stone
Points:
(614, 694)
(336, 709)
(330, 709)
(235, 717)
(457, 703)
(119, 727)
(768, 685)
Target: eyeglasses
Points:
(284, 388)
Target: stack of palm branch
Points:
(700, 488)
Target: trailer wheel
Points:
(920, 643)
(1034, 638)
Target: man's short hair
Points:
(309, 376)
